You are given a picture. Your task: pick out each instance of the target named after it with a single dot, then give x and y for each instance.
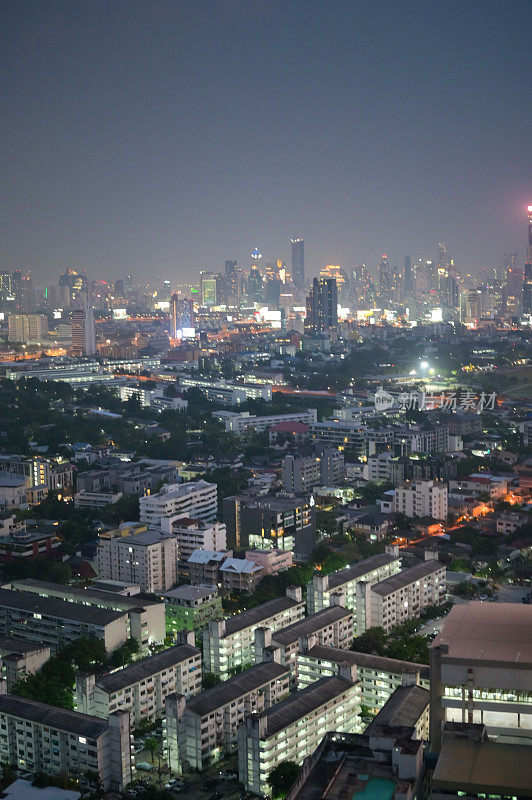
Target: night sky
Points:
(161, 137)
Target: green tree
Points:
(282, 777)
(209, 680)
(371, 641)
(152, 744)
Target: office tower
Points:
(22, 286)
(27, 328)
(298, 262)
(209, 289)
(409, 277)
(76, 282)
(443, 256)
(174, 315)
(273, 291)
(449, 292)
(322, 305)
(340, 276)
(255, 285)
(166, 290)
(83, 334)
(527, 285)
(385, 277)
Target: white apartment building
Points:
(481, 671)
(148, 559)
(378, 677)
(421, 499)
(230, 394)
(142, 687)
(145, 618)
(332, 627)
(95, 500)
(300, 475)
(202, 729)
(196, 500)
(344, 581)
(195, 534)
(400, 597)
(292, 729)
(40, 738)
(241, 422)
(19, 659)
(55, 623)
(230, 643)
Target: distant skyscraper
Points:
(385, 277)
(298, 262)
(209, 289)
(174, 312)
(83, 333)
(322, 305)
(527, 284)
(409, 278)
(182, 315)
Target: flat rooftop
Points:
(240, 684)
(359, 569)
(303, 702)
(311, 624)
(381, 663)
(140, 670)
(9, 644)
(56, 607)
(111, 599)
(407, 576)
(257, 615)
(52, 717)
(494, 632)
(403, 708)
(476, 766)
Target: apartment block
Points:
(292, 729)
(331, 627)
(481, 671)
(421, 499)
(230, 394)
(272, 561)
(288, 523)
(202, 729)
(400, 597)
(19, 659)
(344, 581)
(191, 608)
(194, 534)
(240, 575)
(148, 559)
(203, 566)
(146, 622)
(405, 711)
(378, 677)
(197, 500)
(40, 738)
(241, 422)
(142, 687)
(230, 643)
(55, 623)
(300, 475)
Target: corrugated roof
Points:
(360, 568)
(477, 766)
(241, 684)
(403, 708)
(303, 702)
(395, 665)
(52, 717)
(311, 624)
(407, 576)
(140, 670)
(257, 615)
(55, 607)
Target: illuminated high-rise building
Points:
(76, 282)
(409, 276)
(182, 316)
(174, 315)
(83, 333)
(322, 305)
(298, 262)
(209, 289)
(385, 277)
(527, 282)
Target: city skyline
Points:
(167, 140)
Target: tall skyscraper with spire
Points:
(298, 262)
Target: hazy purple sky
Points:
(162, 136)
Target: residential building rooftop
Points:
(139, 670)
(395, 665)
(303, 702)
(240, 684)
(190, 593)
(257, 615)
(402, 709)
(53, 717)
(56, 607)
(310, 624)
(360, 568)
(407, 576)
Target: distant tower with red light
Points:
(527, 285)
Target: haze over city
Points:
(165, 138)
